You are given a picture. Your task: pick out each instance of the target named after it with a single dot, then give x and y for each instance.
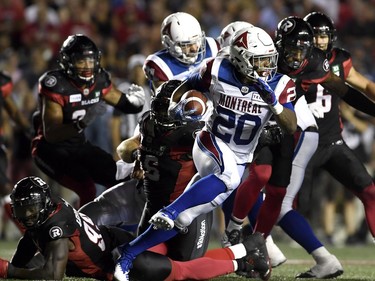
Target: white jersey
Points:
(239, 111)
(305, 118)
(162, 66)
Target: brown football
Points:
(195, 100)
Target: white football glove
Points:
(316, 109)
(136, 95)
(123, 169)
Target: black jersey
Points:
(330, 127)
(91, 256)
(56, 86)
(313, 70)
(162, 154)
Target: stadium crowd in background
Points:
(31, 33)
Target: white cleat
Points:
(276, 256)
(119, 274)
(331, 268)
(161, 221)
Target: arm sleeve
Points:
(359, 101)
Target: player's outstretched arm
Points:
(56, 258)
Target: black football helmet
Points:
(322, 25)
(160, 104)
(79, 47)
(294, 40)
(31, 202)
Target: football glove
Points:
(316, 109)
(265, 91)
(271, 135)
(136, 95)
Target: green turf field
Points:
(358, 262)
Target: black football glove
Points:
(271, 135)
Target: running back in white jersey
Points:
(239, 111)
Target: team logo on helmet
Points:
(167, 29)
(241, 41)
(288, 26)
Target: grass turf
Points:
(358, 263)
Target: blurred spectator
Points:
(12, 19)
(123, 125)
(41, 31)
(32, 12)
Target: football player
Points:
(164, 148)
(294, 39)
(185, 48)
(60, 241)
(332, 154)
(243, 103)
(70, 98)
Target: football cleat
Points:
(276, 256)
(162, 221)
(123, 266)
(261, 264)
(231, 238)
(329, 269)
(257, 255)
(120, 275)
(246, 269)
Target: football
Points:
(195, 100)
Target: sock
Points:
(270, 210)
(146, 240)
(200, 269)
(300, 231)
(227, 207)
(248, 191)
(201, 192)
(367, 196)
(230, 253)
(234, 223)
(253, 214)
(320, 255)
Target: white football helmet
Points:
(228, 31)
(253, 53)
(182, 36)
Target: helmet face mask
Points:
(294, 41)
(80, 59)
(296, 54)
(27, 213)
(31, 202)
(322, 26)
(253, 53)
(84, 67)
(182, 36)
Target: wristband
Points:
(277, 108)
